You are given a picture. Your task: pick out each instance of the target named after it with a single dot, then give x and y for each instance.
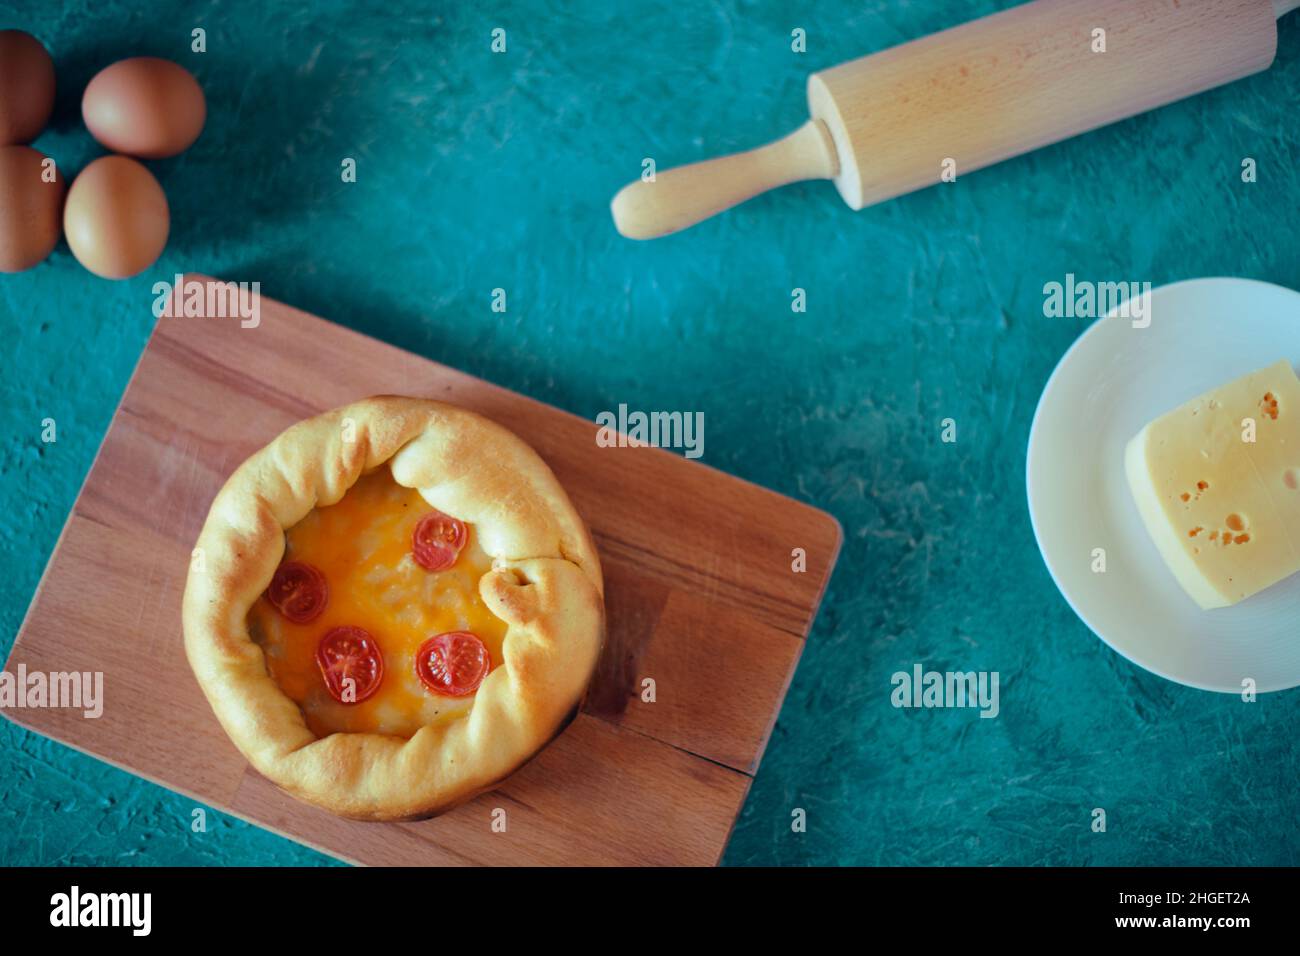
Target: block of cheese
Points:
(1217, 482)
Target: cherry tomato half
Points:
(437, 541)
(452, 664)
(298, 591)
(350, 654)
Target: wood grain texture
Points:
(681, 197)
(1012, 82)
(976, 94)
(700, 594)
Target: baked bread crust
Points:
(545, 583)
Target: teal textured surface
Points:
(478, 171)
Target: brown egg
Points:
(116, 218)
(144, 107)
(26, 87)
(31, 207)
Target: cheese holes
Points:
(1268, 405)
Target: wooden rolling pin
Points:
(892, 122)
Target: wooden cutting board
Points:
(701, 597)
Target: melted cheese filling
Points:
(362, 545)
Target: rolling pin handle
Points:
(681, 197)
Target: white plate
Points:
(1112, 382)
